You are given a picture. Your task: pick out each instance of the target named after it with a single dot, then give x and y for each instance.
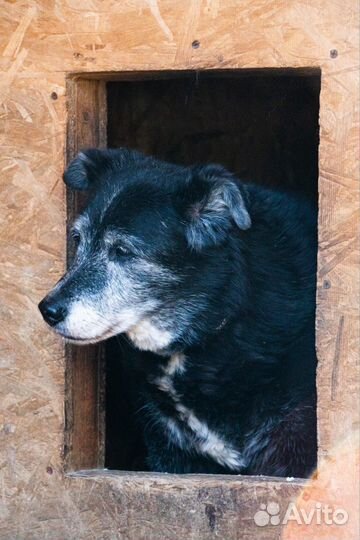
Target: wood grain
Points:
(84, 378)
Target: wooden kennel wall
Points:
(55, 59)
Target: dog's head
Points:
(146, 248)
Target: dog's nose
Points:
(53, 312)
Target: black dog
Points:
(216, 279)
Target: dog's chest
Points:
(184, 427)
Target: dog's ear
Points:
(91, 165)
(216, 204)
(84, 170)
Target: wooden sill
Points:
(188, 480)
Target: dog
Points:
(214, 280)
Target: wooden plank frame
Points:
(84, 436)
(84, 375)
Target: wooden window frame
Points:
(84, 445)
(84, 397)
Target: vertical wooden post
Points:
(84, 394)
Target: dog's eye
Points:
(119, 251)
(75, 235)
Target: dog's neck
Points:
(147, 336)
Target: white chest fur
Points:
(148, 337)
(196, 434)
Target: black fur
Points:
(243, 308)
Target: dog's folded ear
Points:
(91, 165)
(216, 204)
(84, 170)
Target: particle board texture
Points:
(43, 46)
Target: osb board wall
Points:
(40, 43)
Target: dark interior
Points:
(261, 124)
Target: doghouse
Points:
(270, 89)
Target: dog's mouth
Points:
(87, 341)
(144, 335)
(77, 340)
